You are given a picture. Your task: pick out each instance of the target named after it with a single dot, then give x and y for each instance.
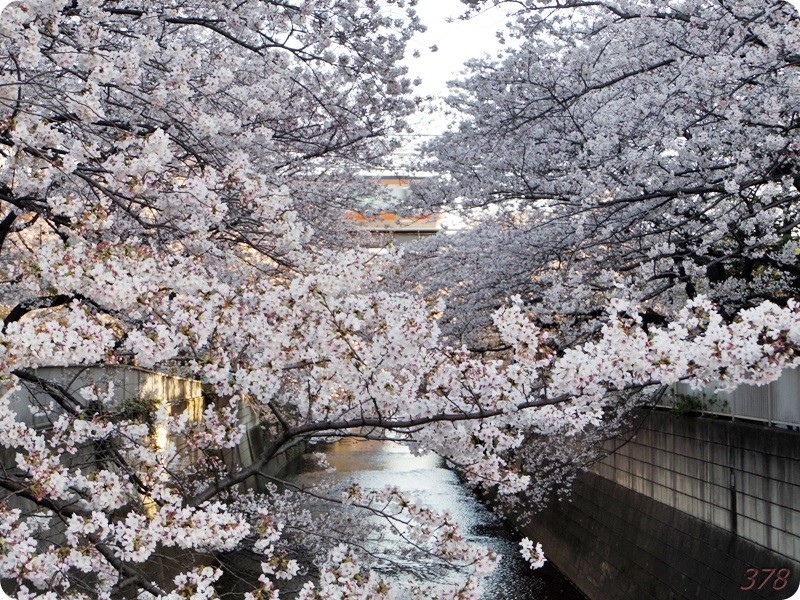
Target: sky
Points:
(457, 40)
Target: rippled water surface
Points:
(374, 465)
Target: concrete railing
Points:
(129, 383)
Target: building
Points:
(378, 216)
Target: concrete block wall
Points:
(617, 544)
(741, 477)
(685, 509)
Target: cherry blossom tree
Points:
(633, 149)
(163, 169)
(617, 151)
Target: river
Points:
(374, 465)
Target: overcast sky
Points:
(457, 41)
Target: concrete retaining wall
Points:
(682, 510)
(741, 477)
(258, 436)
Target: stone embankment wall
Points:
(683, 507)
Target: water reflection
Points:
(374, 465)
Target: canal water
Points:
(374, 465)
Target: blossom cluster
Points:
(168, 181)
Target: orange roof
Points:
(393, 181)
(386, 217)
